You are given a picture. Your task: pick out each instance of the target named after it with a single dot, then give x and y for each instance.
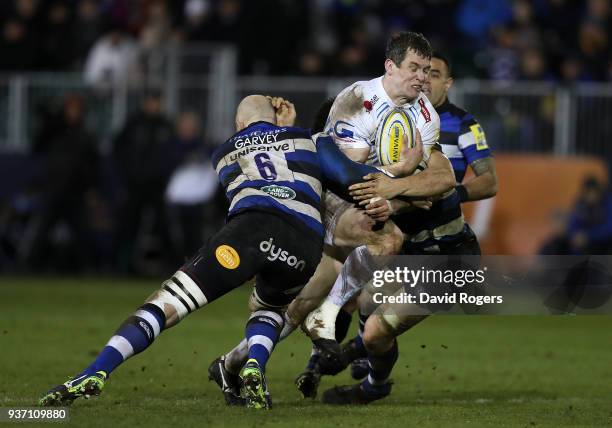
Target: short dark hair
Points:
(320, 119)
(400, 43)
(444, 59)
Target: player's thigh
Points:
(353, 228)
(291, 259)
(230, 257)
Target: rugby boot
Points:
(308, 381)
(84, 385)
(253, 388)
(356, 394)
(228, 382)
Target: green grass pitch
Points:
(452, 371)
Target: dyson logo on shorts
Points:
(277, 253)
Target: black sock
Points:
(343, 322)
(381, 366)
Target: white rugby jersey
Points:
(361, 107)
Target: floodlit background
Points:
(109, 111)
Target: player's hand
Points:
(378, 185)
(422, 204)
(285, 111)
(378, 209)
(410, 157)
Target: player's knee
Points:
(178, 297)
(388, 244)
(266, 317)
(376, 338)
(353, 229)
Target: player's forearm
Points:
(339, 171)
(426, 184)
(481, 187)
(399, 206)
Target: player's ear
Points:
(239, 125)
(449, 83)
(389, 66)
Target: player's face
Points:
(438, 82)
(411, 75)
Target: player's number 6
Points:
(265, 166)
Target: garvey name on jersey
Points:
(273, 169)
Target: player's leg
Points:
(262, 332)
(346, 227)
(275, 286)
(317, 287)
(182, 294)
(308, 298)
(379, 339)
(354, 350)
(357, 269)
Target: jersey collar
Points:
(383, 92)
(444, 106)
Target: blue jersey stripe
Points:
(459, 166)
(471, 153)
(302, 156)
(382, 111)
(229, 173)
(451, 124)
(254, 202)
(306, 193)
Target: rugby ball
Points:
(396, 125)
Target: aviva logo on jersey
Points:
(479, 136)
(279, 192)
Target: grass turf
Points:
(452, 370)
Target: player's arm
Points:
(473, 144)
(339, 172)
(483, 185)
(356, 155)
(436, 179)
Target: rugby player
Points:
(353, 121)
(272, 177)
(461, 136)
(464, 143)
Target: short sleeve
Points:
(349, 130)
(430, 133)
(472, 140)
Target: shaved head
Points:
(254, 108)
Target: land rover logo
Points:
(279, 192)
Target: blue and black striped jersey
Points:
(462, 138)
(282, 170)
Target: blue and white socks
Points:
(262, 334)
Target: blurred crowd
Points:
(152, 198)
(561, 40)
(142, 209)
(587, 227)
